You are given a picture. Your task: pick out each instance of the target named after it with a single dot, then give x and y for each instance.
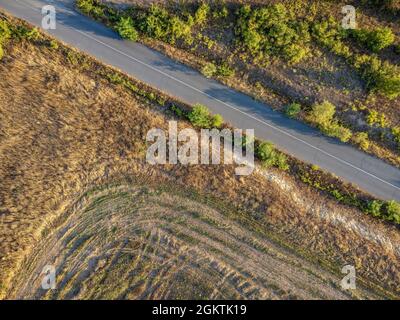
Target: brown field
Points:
(76, 192)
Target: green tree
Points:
(200, 17)
(376, 40)
(292, 110)
(382, 77)
(217, 121)
(323, 113)
(361, 138)
(200, 116)
(126, 29)
(209, 70)
(374, 207)
(393, 211)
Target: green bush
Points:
(329, 34)
(201, 117)
(361, 138)
(220, 13)
(159, 24)
(53, 44)
(269, 156)
(126, 29)
(335, 130)
(200, 16)
(374, 207)
(281, 162)
(393, 211)
(382, 77)
(86, 6)
(265, 150)
(376, 40)
(292, 110)
(5, 32)
(209, 70)
(178, 111)
(396, 134)
(225, 70)
(271, 30)
(376, 118)
(180, 29)
(323, 115)
(217, 121)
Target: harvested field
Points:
(133, 242)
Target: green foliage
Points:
(86, 6)
(126, 29)
(382, 77)
(5, 34)
(389, 210)
(98, 10)
(338, 131)
(375, 40)
(23, 32)
(396, 134)
(393, 211)
(374, 207)
(201, 117)
(5, 31)
(292, 110)
(269, 156)
(330, 35)
(271, 31)
(323, 115)
(178, 111)
(361, 138)
(224, 70)
(73, 58)
(53, 44)
(220, 13)
(217, 121)
(159, 24)
(376, 118)
(200, 17)
(209, 70)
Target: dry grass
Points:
(64, 132)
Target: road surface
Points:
(295, 138)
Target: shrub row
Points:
(323, 116)
(375, 40)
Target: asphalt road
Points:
(293, 137)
